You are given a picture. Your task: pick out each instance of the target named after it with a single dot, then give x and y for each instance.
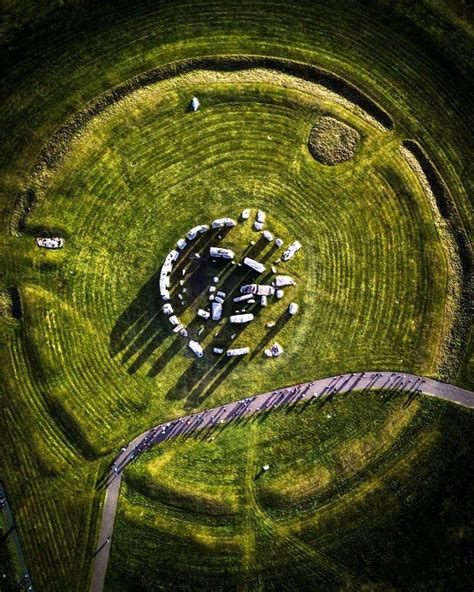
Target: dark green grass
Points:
(365, 491)
(10, 573)
(66, 399)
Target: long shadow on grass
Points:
(142, 327)
(253, 251)
(200, 380)
(271, 333)
(205, 383)
(198, 270)
(271, 252)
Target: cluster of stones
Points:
(50, 243)
(249, 293)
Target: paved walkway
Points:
(25, 583)
(325, 387)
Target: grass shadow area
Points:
(200, 380)
(273, 331)
(140, 328)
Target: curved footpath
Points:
(25, 583)
(325, 387)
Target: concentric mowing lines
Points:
(45, 377)
(260, 167)
(210, 162)
(318, 563)
(369, 245)
(53, 153)
(431, 264)
(35, 500)
(337, 227)
(330, 20)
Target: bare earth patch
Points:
(332, 142)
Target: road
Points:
(360, 381)
(26, 583)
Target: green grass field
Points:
(358, 509)
(88, 360)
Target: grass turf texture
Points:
(332, 142)
(348, 512)
(69, 397)
(108, 342)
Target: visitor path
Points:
(323, 389)
(25, 582)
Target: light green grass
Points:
(366, 272)
(370, 239)
(340, 475)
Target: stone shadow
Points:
(200, 379)
(271, 333)
(198, 270)
(271, 252)
(253, 251)
(198, 382)
(140, 329)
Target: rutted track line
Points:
(324, 387)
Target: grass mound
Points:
(10, 304)
(332, 142)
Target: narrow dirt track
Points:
(324, 387)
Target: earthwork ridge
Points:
(461, 252)
(58, 145)
(213, 419)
